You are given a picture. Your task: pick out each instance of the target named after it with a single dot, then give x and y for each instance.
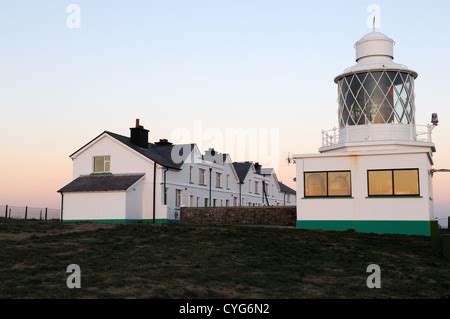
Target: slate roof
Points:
(286, 189)
(161, 154)
(101, 183)
(242, 169)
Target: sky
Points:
(181, 65)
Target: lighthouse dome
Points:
(375, 44)
(375, 51)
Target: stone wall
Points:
(258, 215)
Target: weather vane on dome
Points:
(374, 23)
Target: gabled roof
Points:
(286, 189)
(101, 183)
(161, 154)
(242, 169)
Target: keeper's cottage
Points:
(120, 178)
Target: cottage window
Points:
(218, 180)
(102, 164)
(202, 176)
(178, 198)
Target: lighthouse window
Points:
(400, 182)
(380, 183)
(406, 182)
(315, 184)
(328, 184)
(339, 184)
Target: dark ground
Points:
(177, 261)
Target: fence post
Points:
(10, 213)
(6, 212)
(40, 215)
(46, 209)
(26, 212)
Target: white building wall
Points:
(360, 207)
(134, 201)
(94, 206)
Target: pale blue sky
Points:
(227, 63)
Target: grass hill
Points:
(179, 261)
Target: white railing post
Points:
(323, 137)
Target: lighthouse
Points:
(373, 171)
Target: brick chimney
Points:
(139, 135)
(257, 168)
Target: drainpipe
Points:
(284, 198)
(264, 193)
(154, 193)
(62, 206)
(240, 193)
(263, 190)
(210, 180)
(165, 188)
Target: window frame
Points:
(219, 180)
(104, 164)
(191, 168)
(328, 191)
(392, 170)
(178, 198)
(202, 176)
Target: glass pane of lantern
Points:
(339, 184)
(315, 184)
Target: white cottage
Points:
(120, 179)
(373, 174)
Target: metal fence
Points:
(27, 212)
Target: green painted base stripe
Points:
(403, 227)
(119, 221)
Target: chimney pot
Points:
(137, 123)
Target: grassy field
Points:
(177, 261)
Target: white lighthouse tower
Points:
(372, 173)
